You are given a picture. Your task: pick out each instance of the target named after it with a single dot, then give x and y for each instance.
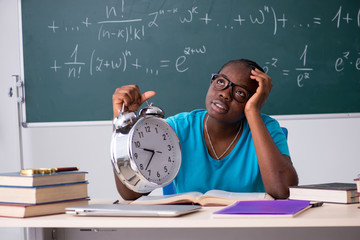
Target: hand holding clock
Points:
(131, 96)
(146, 147)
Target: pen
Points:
(316, 204)
(33, 171)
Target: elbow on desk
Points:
(281, 190)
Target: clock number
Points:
(156, 130)
(149, 171)
(169, 147)
(158, 174)
(165, 169)
(164, 137)
(141, 167)
(137, 144)
(141, 134)
(147, 129)
(169, 160)
(135, 155)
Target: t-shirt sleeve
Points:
(277, 134)
(171, 121)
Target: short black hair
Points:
(248, 62)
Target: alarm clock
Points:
(145, 150)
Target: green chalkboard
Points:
(77, 52)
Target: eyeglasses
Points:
(238, 92)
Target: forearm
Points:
(276, 169)
(125, 192)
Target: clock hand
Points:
(148, 150)
(152, 154)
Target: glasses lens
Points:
(218, 82)
(240, 94)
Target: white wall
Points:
(9, 65)
(325, 150)
(85, 147)
(322, 149)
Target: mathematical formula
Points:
(130, 32)
(123, 62)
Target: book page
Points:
(173, 198)
(235, 195)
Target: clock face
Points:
(155, 150)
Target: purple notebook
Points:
(266, 207)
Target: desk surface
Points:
(329, 215)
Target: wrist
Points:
(249, 113)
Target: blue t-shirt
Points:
(237, 172)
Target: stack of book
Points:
(41, 194)
(326, 192)
(357, 181)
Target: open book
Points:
(210, 198)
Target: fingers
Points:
(265, 83)
(130, 97)
(257, 101)
(127, 95)
(146, 95)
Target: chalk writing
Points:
(74, 67)
(344, 17)
(303, 70)
(190, 16)
(122, 62)
(117, 26)
(154, 15)
(347, 59)
(127, 33)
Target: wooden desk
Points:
(331, 221)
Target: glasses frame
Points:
(231, 84)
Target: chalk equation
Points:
(302, 71)
(279, 20)
(128, 33)
(122, 62)
(347, 59)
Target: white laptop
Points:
(129, 210)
